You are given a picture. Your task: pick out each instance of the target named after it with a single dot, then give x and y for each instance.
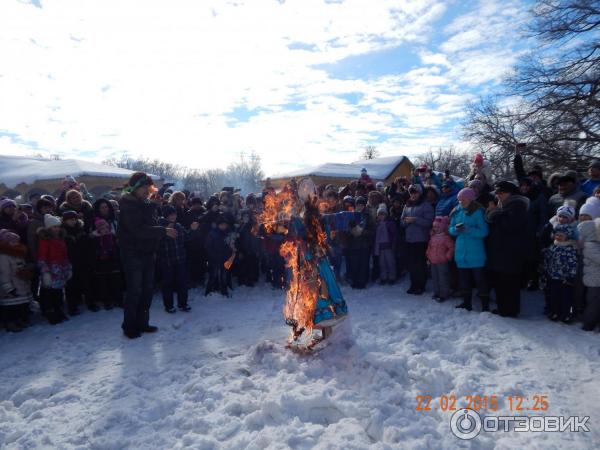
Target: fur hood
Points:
(18, 251)
(589, 231)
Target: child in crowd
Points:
(440, 253)
(55, 268)
(78, 248)
(172, 262)
(247, 244)
(15, 278)
(106, 266)
(220, 250)
(561, 265)
(385, 242)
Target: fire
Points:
(304, 284)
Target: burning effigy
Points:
(314, 300)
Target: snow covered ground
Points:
(220, 377)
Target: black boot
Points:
(466, 304)
(485, 303)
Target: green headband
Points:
(141, 182)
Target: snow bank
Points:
(220, 377)
(18, 169)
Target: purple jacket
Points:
(385, 235)
(419, 230)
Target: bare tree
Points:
(558, 85)
(245, 174)
(442, 159)
(369, 152)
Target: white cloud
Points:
(161, 78)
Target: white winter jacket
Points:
(589, 237)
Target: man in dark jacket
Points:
(507, 246)
(138, 238)
(568, 189)
(537, 218)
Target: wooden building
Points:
(384, 169)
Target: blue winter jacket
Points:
(447, 202)
(469, 251)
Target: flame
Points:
(305, 284)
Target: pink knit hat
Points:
(467, 194)
(478, 159)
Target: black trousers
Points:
(78, 288)
(561, 298)
(416, 263)
(248, 269)
(139, 277)
(357, 266)
(174, 279)
(108, 288)
(52, 302)
(508, 292)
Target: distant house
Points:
(384, 169)
(26, 175)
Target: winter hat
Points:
(360, 200)
(101, 225)
(8, 237)
(69, 215)
(42, 202)
(51, 221)
(441, 223)
(467, 194)
(567, 230)
(566, 211)
(595, 164)
(7, 202)
(476, 185)
(592, 207)
(507, 187)
(568, 176)
(349, 199)
(478, 159)
(168, 210)
(363, 170)
(213, 200)
(195, 201)
(382, 209)
(379, 185)
(415, 188)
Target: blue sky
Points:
(299, 82)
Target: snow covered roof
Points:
(15, 170)
(377, 168)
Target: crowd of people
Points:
(472, 235)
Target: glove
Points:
(46, 280)
(356, 231)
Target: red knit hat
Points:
(478, 158)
